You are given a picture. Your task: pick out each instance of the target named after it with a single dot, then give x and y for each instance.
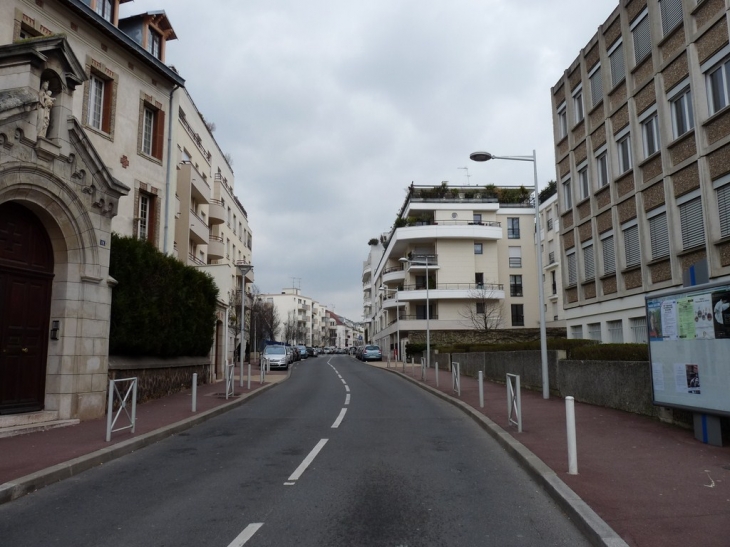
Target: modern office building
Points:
(642, 145)
(460, 251)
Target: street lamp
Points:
(397, 316)
(405, 260)
(486, 156)
(244, 269)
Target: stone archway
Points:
(26, 275)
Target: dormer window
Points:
(105, 8)
(154, 42)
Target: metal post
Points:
(134, 406)
(240, 380)
(109, 411)
(195, 392)
(428, 327)
(541, 290)
(481, 389)
(570, 423)
(248, 384)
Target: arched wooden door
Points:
(26, 274)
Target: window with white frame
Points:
(562, 120)
(576, 331)
(717, 86)
(144, 217)
(616, 60)
(623, 148)
(722, 192)
(478, 249)
(615, 331)
(602, 167)
(638, 330)
(148, 121)
(515, 257)
(596, 85)
(567, 195)
(681, 107)
(105, 9)
(96, 101)
(671, 14)
(578, 110)
(583, 180)
(589, 261)
(608, 253)
(632, 248)
(691, 221)
(594, 331)
(641, 33)
(650, 134)
(572, 270)
(659, 233)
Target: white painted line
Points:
(347, 399)
(308, 460)
(339, 419)
(347, 388)
(247, 534)
(343, 380)
(289, 483)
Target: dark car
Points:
(371, 353)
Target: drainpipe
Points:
(169, 163)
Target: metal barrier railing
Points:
(514, 403)
(456, 378)
(230, 386)
(114, 391)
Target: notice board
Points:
(689, 348)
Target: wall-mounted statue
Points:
(45, 103)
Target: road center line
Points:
(347, 388)
(339, 419)
(308, 460)
(247, 534)
(343, 381)
(347, 399)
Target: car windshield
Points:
(372, 348)
(276, 350)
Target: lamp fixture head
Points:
(481, 156)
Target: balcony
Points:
(452, 291)
(199, 232)
(422, 262)
(188, 176)
(216, 249)
(396, 273)
(194, 261)
(216, 212)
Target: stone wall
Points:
(158, 378)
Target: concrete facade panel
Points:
(686, 180)
(712, 40)
(653, 196)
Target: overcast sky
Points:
(331, 108)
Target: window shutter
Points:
(106, 115)
(618, 68)
(572, 274)
(596, 87)
(642, 40)
(589, 263)
(693, 228)
(723, 205)
(159, 135)
(631, 246)
(671, 14)
(609, 256)
(659, 235)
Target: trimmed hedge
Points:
(611, 352)
(160, 307)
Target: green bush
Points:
(611, 352)
(412, 349)
(160, 307)
(552, 344)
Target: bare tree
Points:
(290, 328)
(263, 322)
(484, 311)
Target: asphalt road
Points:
(341, 454)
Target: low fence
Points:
(159, 377)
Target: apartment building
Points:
(298, 315)
(551, 274)
(462, 253)
(642, 145)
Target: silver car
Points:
(278, 356)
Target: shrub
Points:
(611, 352)
(160, 306)
(412, 349)
(552, 344)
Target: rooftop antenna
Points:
(468, 176)
(293, 282)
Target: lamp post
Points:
(397, 315)
(486, 156)
(244, 269)
(405, 260)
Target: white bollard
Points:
(481, 389)
(195, 392)
(570, 422)
(248, 384)
(240, 380)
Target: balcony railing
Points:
(515, 262)
(549, 224)
(393, 269)
(430, 222)
(195, 260)
(551, 257)
(455, 287)
(418, 317)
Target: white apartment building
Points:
(642, 143)
(299, 312)
(551, 274)
(477, 254)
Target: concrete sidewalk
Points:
(34, 460)
(651, 483)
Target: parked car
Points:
(278, 356)
(311, 352)
(371, 353)
(303, 353)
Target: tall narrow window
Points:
(567, 196)
(515, 257)
(518, 315)
(151, 142)
(618, 67)
(659, 235)
(723, 206)
(562, 121)
(154, 42)
(96, 102)
(624, 153)
(513, 227)
(572, 270)
(602, 169)
(717, 87)
(632, 249)
(609, 255)
(596, 86)
(650, 130)
(642, 37)
(692, 223)
(515, 285)
(584, 184)
(104, 8)
(589, 262)
(578, 110)
(144, 217)
(682, 116)
(671, 14)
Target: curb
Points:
(596, 530)
(30, 483)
